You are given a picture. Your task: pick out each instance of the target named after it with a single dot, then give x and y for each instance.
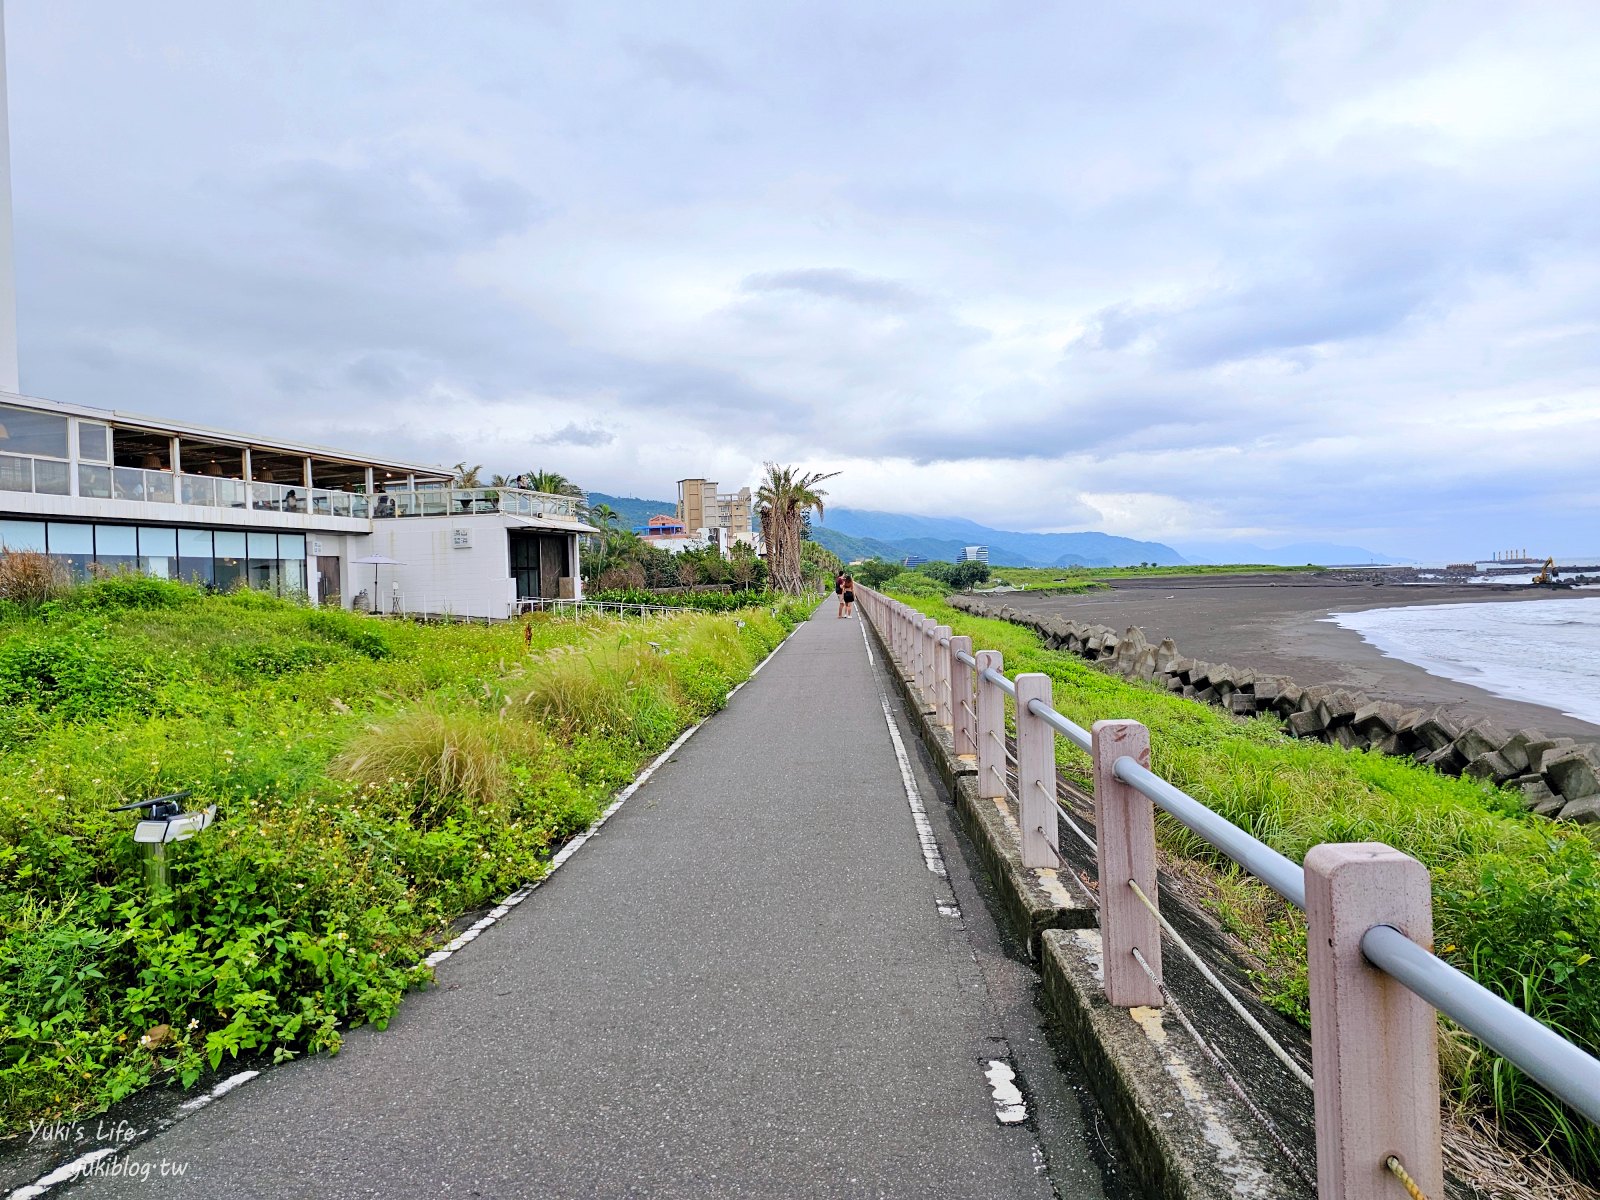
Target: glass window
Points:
(262, 545)
(16, 474)
(116, 539)
(194, 543)
(22, 535)
(26, 431)
(293, 575)
(197, 489)
(158, 541)
(94, 442)
(52, 478)
(116, 546)
(291, 545)
(230, 543)
(73, 545)
(95, 481)
(158, 486)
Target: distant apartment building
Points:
(913, 560)
(669, 534)
(701, 506)
(722, 518)
(973, 554)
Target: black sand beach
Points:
(1274, 623)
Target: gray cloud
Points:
(1232, 272)
(573, 434)
(832, 283)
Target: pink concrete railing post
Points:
(991, 728)
(914, 639)
(1125, 848)
(941, 677)
(1374, 1043)
(1036, 775)
(962, 700)
(930, 651)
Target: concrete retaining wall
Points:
(1558, 777)
(1185, 1133)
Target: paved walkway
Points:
(750, 984)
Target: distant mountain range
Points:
(634, 511)
(1324, 554)
(854, 533)
(859, 533)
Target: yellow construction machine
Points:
(1549, 577)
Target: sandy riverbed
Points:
(1274, 623)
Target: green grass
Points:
(1516, 897)
(374, 781)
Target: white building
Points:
(89, 485)
(973, 554)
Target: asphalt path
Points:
(753, 982)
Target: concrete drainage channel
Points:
(1185, 1128)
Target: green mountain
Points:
(634, 511)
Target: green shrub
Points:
(910, 584)
(374, 781)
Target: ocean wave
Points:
(1539, 651)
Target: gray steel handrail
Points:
(1000, 681)
(1543, 1054)
(1071, 730)
(1563, 1068)
(1282, 874)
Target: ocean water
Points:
(1540, 651)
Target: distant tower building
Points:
(912, 560)
(973, 554)
(701, 506)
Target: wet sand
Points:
(1275, 624)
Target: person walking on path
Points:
(838, 590)
(848, 595)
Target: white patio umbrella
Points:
(375, 561)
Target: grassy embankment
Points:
(374, 782)
(1516, 897)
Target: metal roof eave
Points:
(208, 433)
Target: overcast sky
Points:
(1265, 271)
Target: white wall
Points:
(437, 576)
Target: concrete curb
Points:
(1185, 1132)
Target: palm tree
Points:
(552, 483)
(604, 516)
(784, 500)
(467, 477)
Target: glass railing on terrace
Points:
(443, 502)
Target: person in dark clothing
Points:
(849, 596)
(838, 590)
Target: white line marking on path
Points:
(930, 846)
(1009, 1106)
(574, 843)
(867, 644)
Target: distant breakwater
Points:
(1558, 777)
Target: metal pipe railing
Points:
(1362, 886)
(1282, 874)
(1536, 1049)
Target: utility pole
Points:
(9, 381)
